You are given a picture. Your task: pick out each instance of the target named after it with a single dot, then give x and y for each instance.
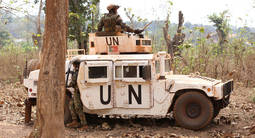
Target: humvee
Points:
(142, 85)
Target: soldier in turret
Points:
(112, 22)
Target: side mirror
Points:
(146, 72)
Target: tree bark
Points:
(51, 85)
(172, 45)
(179, 36)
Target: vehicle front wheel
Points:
(193, 110)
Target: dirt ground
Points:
(237, 120)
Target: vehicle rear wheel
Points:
(67, 113)
(193, 110)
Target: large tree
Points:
(51, 85)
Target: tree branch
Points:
(168, 37)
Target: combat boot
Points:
(82, 128)
(73, 124)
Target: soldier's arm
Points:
(100, 25)
(124, 26)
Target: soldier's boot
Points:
(83, 127)
(73, 124)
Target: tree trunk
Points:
(95, 17)
(37, 38)
(168, 37)
(51, 86)
(172, 45)
(179, 36)
(38, 26)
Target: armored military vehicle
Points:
(99, 43)
(141, 85)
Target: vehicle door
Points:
(98, 85)
(132, 90)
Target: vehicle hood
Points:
(192, 79)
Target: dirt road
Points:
(237, 120)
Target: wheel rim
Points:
(193, 110)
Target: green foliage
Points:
(253, 96)
(83, 17)
(21, 48)
(221, 22)
(4, 38)
(200, 29)
(14, 6)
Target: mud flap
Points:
(28, 109)
(67, 113)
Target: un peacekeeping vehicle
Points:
(118, 83)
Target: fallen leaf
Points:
(19, 105)
(252, 130)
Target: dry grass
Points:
(13, 61)
(237, 61)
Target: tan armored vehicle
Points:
(120, 43)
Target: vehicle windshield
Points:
(167, 65)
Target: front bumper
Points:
(228, 87)
(224, 102)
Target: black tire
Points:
(193, 110)
(67, 113)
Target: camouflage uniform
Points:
(112, 22)
(75, 104)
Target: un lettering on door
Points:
(128, 95)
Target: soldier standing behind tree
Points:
(75, 104)
(112, 22)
